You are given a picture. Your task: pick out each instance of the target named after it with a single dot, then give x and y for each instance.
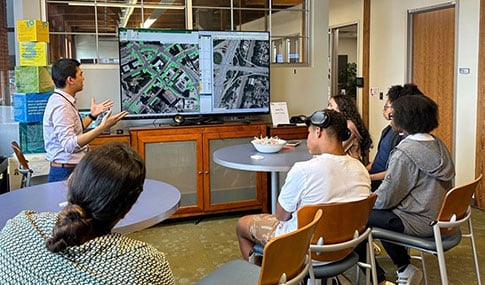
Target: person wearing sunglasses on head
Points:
(316, 181)
(389, 138)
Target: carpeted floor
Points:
(196, 247)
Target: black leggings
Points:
(386, 219)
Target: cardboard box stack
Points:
(33, 83)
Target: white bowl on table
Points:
(268, 146)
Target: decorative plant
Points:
(347, 79)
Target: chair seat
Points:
(337, 267)
(427, 243)
(234, 272)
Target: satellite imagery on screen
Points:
(189, 72)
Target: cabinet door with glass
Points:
(175, 158)
(228, 188)
(182, 156)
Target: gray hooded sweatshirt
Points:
(419, 174)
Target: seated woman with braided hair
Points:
(76, 246)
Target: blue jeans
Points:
(386, 219)
(59, 173)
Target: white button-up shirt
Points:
(61, 126)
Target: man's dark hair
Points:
(397, 91)
(338, 125)
(394, 92)
(415, 114)
(62, 69)
(334, 123)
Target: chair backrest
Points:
(456, 203)
(20, 156)
(341, 221)
(287, 254)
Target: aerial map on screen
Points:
(189, 72)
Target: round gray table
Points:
(157, 202)
(245, 157)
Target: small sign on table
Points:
(279, 113)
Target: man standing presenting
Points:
(330, 176)
(64, 138)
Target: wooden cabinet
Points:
(109, 138)
(289, 132)
(182, 156)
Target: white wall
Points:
(343, 13)
(101, 82)
(388, 41)
(86, 48)
(348, 46)
(305, 88)
(466, 89)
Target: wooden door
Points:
(433, 63)
(480, 149)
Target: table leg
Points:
(275, 184)
(4, 187)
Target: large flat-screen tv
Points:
(165, 73)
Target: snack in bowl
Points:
(268, 145)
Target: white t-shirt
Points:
(325, 178)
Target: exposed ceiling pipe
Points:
(155, 14)
(127, 13)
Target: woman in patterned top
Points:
(76, 246)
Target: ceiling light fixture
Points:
(148, 23)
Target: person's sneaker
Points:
(410, 276)
(343, 280)
(377, 249)
(252, 257)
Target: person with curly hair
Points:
(359, 142)
(389, 138)
(76, 245)
(420, 172)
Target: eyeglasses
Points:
(387, 107)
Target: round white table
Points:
(157, 202)
(245, 157)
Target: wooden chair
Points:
(286, 260)
(342, 229)
(24, 168)
(455, 211)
